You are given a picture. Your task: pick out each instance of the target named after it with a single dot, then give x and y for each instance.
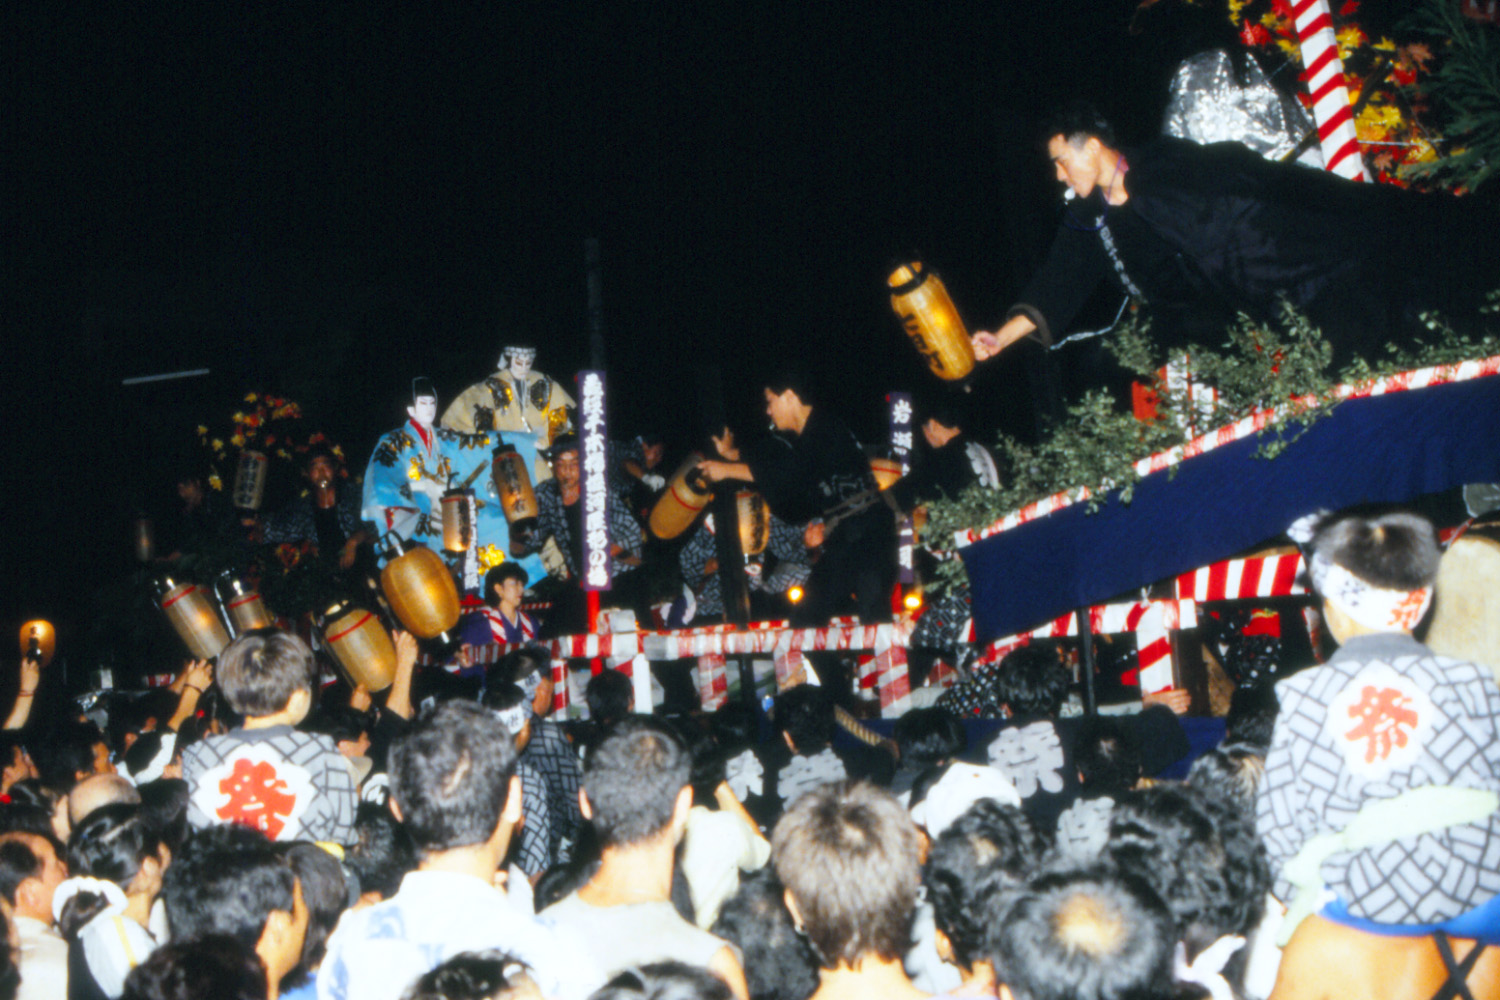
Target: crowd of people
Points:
(243, 833)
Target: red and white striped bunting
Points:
(1274, 575)
(1323, 74)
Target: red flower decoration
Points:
(1255, 34)
(1350, 8)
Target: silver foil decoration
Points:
(1209, 105)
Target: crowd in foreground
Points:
(229, 838)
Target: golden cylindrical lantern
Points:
(143, 539)
(458, 520)
(38, 641)
(361, 645)
(513, 484)
(887, 471)
(421, 592)
(754, 522)
(190, 610)
(250, 479)
(681, 502)
(243, 606)
(931, 320)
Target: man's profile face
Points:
(53, 870)
(932, 431)
(423, 411)
(781, 408)
(653, 454)
(1077, 164)
(565, 468)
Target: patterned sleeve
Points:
(337, 798)
(624, 529)
(552, 522)
(533, 854)
(1287, 807)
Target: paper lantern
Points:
(38, 641)
(513, 485)
(190, 610)
(754, 522)
(932, 322)
(421, 592)
(361, 645)
(682, 501)
(250, 480)
(887, 471)
(244, 606)
(458, 520)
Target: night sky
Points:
(324, 200)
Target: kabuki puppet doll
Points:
(514, 399)
(408, 474)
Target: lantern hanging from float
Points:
(242, 606)
(931, 320)
(682, 501)
(38, 641)
(250, 476)
(754, 522)
(887, 471)
(517, 498)
(420, 590)
(458, 520)
(361, 645)
(190, 610)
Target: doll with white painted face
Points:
(408, 473)
(513, 398)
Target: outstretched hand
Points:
(985, 343)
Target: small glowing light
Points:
(912, 601)
(794, 594)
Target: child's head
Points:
(1376, 573)
(505, 584)
(266, 672)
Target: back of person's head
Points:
(112, 844)
(735, 725)
(1394, 551)
(1252, 716)
(708, 763)
(97, 791)
(205, 968)
(1106, 754)
(927, 736)
(382, 853)
(608, 695)
(498, 575)
(164, 805)
(261, 670)
(324, 890)
(527, 668)
(68, 753)
(340, 723)
(1085, 936)
(23, 857)
(806, 714)
(632, 780)
(847, 853)
(1077, 122)
(664, 981)
(145, 750)
(227, 880)
(1201, 856)
(1031, 681)
(983, 856)
(510, 705)
(1232, 772)
(778, 963)
(450, 775)
(476, 975)
(25, 818)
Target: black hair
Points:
(326, 893)
(664, 981)
(1201, 856)
(67, 753)
(929, 735)
(260, 671)
(1232, 772)
(340, 723)
(321, 449)
(983, 856)
(26, 818)
(795, 379)
(946, 413)
(707, 758)
(143, 751)
(563, 878)
(382, 853)
(450, 775)
(500, 697)
(164, 805)
(565, 442)
(608, 696)
(1086, 935)
(469, 975)
(1077, 121)
(213, 966)
(1394, 551)
(109, 844)
(498, 575)
(18, 862)
(1106, 755)
(806, 714)
(779, 963)
(1252, 715)
(632, 780)
(227, 880)
(1031, 681)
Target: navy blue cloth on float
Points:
(1380, 449)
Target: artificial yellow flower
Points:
(215, 482)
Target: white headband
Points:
(1371, 606)
(514, 719)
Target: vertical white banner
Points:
(593, 447)
(902, 424)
